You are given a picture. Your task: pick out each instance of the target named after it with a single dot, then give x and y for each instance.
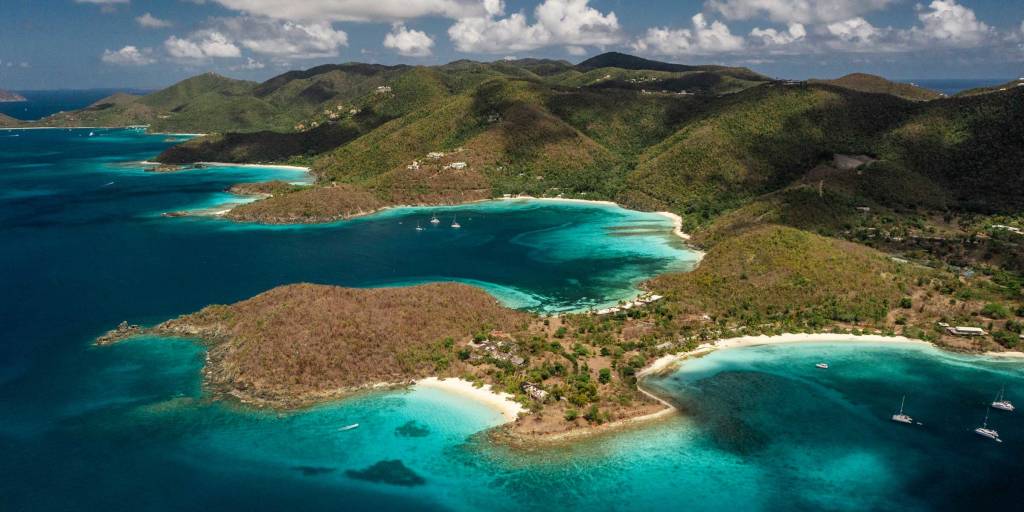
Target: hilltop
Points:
(864, 82)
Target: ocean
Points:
(128, 427)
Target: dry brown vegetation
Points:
(320, 204)
(299, 343)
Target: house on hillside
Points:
(965, 331)
(534, 391)
(435, 155)
(383, 89)
(456, 165)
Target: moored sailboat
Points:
(900, 417)
(1002, 403)
(984, 431)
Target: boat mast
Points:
(903, 401)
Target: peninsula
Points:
(10, 97)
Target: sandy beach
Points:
(501, 402)
(664, 362)
(256, 166)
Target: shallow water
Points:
(127, 427)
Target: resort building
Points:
(965, 331)
(383, 89)
(435, 155)
(456, 165)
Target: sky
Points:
(79, 44)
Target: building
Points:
(965, 331)
(456, 165)
(535, 392)
(383, 89)
(435, 155)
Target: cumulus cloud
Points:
(360, 10)
(284, 39)
(201, 45)
(128, 56)
(796, 11)
(701, 38)
(149, 21)
(410, 43)
(226, 37)
(947, 23)
(558, 22)
(772, 37)
(249, 65)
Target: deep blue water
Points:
(128, 428)
(40, 104)
(951, 86)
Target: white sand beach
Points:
(666, 361)
(677, 221)
(501, 402)
(256, 166)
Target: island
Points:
(10, 97)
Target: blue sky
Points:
(53, 44)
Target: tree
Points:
(605, 376)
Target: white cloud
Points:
(576, 50)
(225, 37)
(772, 37)
(128, 56)
(701, 38)
(796, 11)
(149, 21)
(559, 22)
(947, 23)
(410, 43)
(201, 45)
(249, 65)
(361, 10)
(284, 39)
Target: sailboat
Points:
(418, 227)
(900, 417)
(434, 219)
(455, 223)
(984, 431)
(823, 366)
(1002, 403)
(349, 427)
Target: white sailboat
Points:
(823, 366)
(984, 431)
(434, 219)
(455, 223)
(900, 417)
(418, 227)
(1002, 403)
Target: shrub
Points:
(571, 414)
(995, 310)
(604, 376)
(906, 303)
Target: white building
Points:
(966, 331)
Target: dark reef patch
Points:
(412, 428)
(391, 472)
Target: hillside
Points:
(8, 121)
(864, 82)
(287, 347)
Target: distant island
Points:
(10, 97)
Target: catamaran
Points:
(984, 431)
(1002, 403)
(434, 219)
(900, 417)
(455, 223)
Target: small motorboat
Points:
(349, 427)
(823, 366)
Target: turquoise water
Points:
(128, 428)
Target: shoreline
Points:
(666, 362)
(485, 395)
